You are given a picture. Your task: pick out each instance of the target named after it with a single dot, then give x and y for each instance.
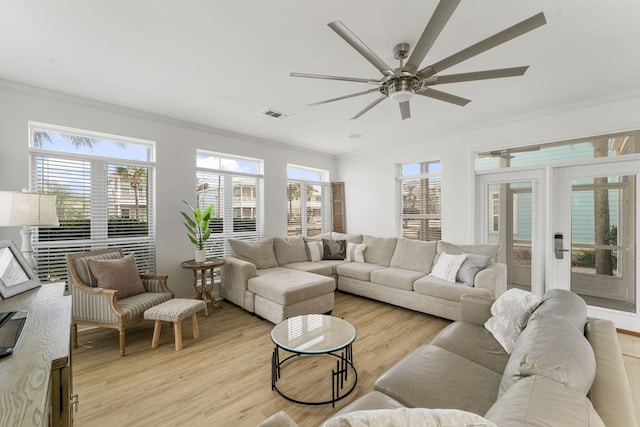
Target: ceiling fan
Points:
(400, 84)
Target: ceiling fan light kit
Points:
(400, 84)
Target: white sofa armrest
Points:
(235, 277)
(475, 309)
(494, 278)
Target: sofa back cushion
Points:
(539, 401)
(562, 304)
(551, 348)
(450, 248)
(260, 253)
(379, 249)
(289, 250)
(415, 255)
(353, 238)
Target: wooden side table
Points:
(201, 270)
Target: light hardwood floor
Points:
(223, 378)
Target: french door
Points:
(567, 227)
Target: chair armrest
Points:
(279, 419)
(95, 304)
(475, 309)
(235, 277)
(156, 284)
(494, 278)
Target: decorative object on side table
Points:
(198, 228)
(207, 268)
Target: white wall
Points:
(176, 144)
(370, 193)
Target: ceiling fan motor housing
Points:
(400, 89)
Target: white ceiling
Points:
(218, 63)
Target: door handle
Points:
(558, 249)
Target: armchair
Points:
(96, 306)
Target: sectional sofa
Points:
(277, 278)
(562, 369)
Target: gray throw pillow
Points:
(119, 274)
(471, 266)
(334, 249)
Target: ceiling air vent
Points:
(270, 112)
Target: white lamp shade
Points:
(31, 209)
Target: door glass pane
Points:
(509, 215)
(603, 244)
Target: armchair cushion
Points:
(118, 274)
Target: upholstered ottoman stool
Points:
(174, 311)
(281, 293)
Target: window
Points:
(308, 198)
(234, 186)
(104, 189)
(419, 186)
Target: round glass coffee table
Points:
(316, 334)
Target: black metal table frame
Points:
(339, 375)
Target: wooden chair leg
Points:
(156, 333)
(121, 337)
(74, 335)
(177, 331)
(194, 325)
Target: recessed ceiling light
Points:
(355, 135)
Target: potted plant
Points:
(197, 224)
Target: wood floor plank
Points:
(223, 378)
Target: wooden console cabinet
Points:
(35, 381)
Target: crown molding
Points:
(113, 108)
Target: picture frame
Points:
(16, 275)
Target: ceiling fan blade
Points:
(442, 96)
(476, 75)
(369, 107)
(344, 97)
(438, 20)
(327, 77)
(362, 48)
(405, 110)
(486, 44)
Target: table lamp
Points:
(26, 210)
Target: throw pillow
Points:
(334, 249)
(403, 417)
(510, 313)
(315, 250)
(447, 266)
(355, 253)
(259, 253)
(118, 274)
(470, 267)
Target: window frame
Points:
(325, 201)
(400, 179)
(49, 253)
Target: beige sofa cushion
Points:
(414, 255)
(312, 267)
(379, 249)
(551, 348)
(450, 248)
(353, 238)
(289, 249)
(287, 287)
(432, 286)
(562, 304)
(475, 343)
(396, 278)
(432, 377)
(260, 253)
(357, 270)
(539, 401)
